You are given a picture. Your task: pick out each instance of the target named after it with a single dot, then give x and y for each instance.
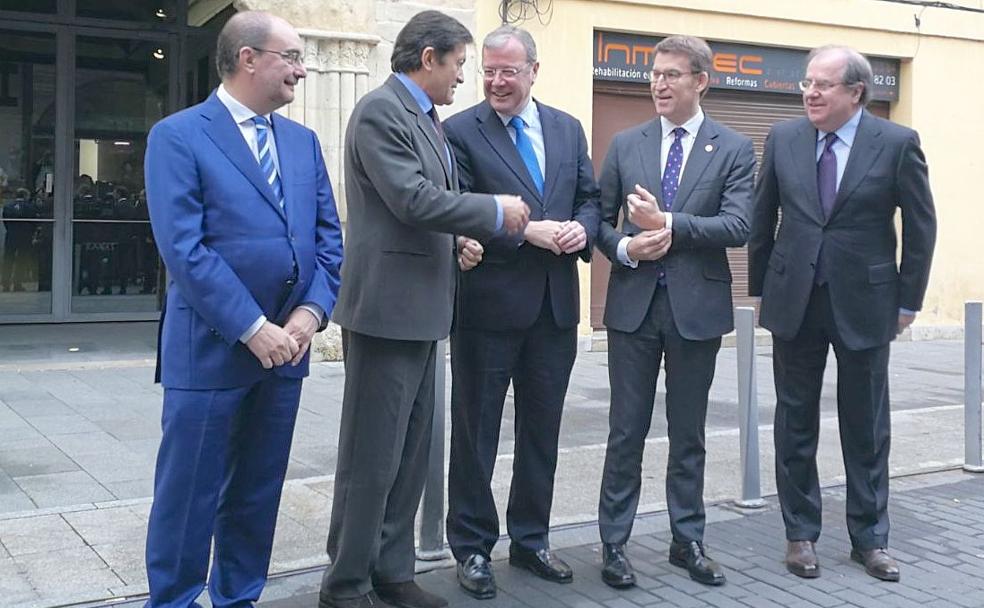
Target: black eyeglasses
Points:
(291, 57)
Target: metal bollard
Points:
(972, 388)
(751, 486)
(431, 521)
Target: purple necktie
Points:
(827, 175)
(671, 173)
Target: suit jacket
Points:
(856, 245)
(711, 212)
(229, 248)
(506, 290)
(398, 280)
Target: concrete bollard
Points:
(751, 486)
(431, 516)
(972, 388)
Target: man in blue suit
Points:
(517, 311)
(244, 217)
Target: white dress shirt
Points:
(692, 126)
(534, 130)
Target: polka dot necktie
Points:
(267, 167)
(674, 165)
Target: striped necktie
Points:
(267, 167)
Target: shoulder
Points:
(893, 132)
(636, 133)
(785, 128)
(469, 117)
(558, 115)
(727, 134)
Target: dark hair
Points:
(693, 48)
(248, 28)
(427, 29)
(857, 69)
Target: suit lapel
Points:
(705, 147)
(803, 151)
(552, 143)
(649, 159)
(492, 129)
(225, 133)
(424, 123)
(865, 149)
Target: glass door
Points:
(121, 90)
(27, 171)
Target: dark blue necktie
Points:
(827, 175)
(267, 167)
(525, 147)
(674, 165)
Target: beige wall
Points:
(942, 88)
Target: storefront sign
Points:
(628, 58)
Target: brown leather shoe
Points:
(877, 563)
(801, 559)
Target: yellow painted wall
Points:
(942, 92)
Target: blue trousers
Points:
(220, 471)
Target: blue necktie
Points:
(827, 175)
(267, 167)
(674, 165)
(525, 148)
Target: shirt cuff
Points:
(907, 312)
(669, 220)
(498, 214)
(255, 327)
(623, 253)
(314, 309)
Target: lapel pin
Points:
(708, 148)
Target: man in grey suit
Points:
(395, 303)
(829, 277)
(684, 183)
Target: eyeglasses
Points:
(670, 76)
(506, 73)
(291, 57)
(821, 85)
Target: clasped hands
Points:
(274, 346)
(655, 239)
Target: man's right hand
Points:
(542, 234)
(649, 245)
(515, 213)
(272, 345)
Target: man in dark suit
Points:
(669, 296)
(244, 218)
(829, 277)
(517, 311)
(395, 303)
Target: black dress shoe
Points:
(369, 600)
(877, 563)
(692, 557)
(801, 559)
(542, 563)
(409, 595)
(617, 570)
(476, 578)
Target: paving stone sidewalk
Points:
(937, 537)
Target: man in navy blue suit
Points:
(244, 217)
(517, 311)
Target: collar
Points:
(421, 97)
(847, 131)
(240, 113)
(530, 115)
(692, 125)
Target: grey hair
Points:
(857, 69)
(247, 28)
(497, 38)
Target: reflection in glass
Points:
(145, 11)
(27, 171)
(122, 88)
(30, 6)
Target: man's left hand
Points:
(571, 237)
(644, 210)
(301, 325)
(905, 320)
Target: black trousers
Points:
(538, 361)
(863, 417)
(633, 367)
(383, 446)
